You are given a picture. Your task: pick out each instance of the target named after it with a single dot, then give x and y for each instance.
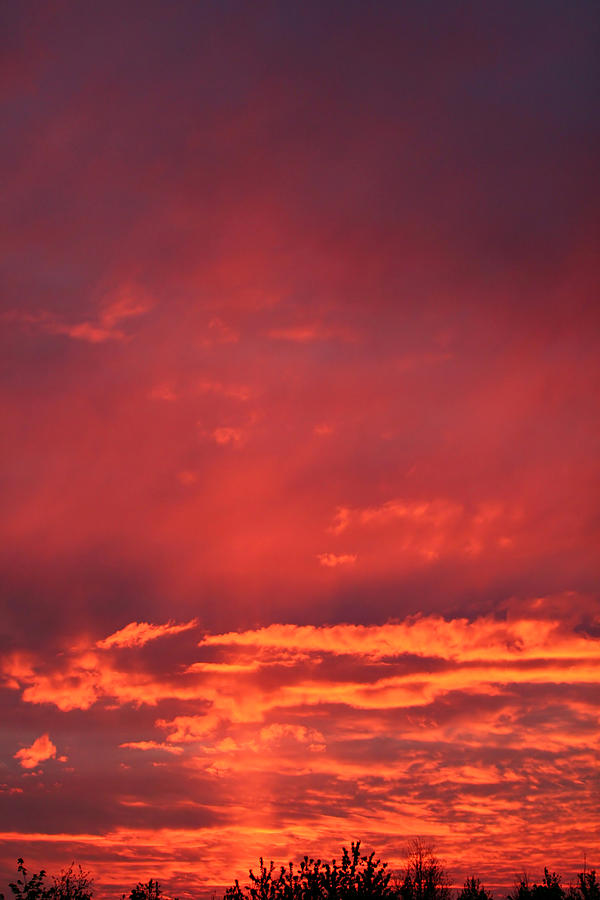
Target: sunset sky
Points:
(299, 380)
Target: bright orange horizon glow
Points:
(300, 376)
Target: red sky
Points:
(299, 382)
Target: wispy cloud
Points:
(151, 745)
(427, 530)
(119, 306)
(136, 634)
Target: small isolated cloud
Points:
(41, 749)
(228, 435)
(151, 745)
(331, 560)
(136, 634)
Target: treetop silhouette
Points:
(355, 877)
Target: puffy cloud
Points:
(41, 750)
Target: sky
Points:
(299, 378)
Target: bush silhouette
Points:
(71, 884)
(32, 888)
(425, 877)
(550, 888)
(474, 890)
(587, 888)
(149, 891)
(355, 876)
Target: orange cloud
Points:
(136, 634)
(41, 750)
(150, 745)
(484, 639)
(332, 560)
(470, 656)
(186, 729)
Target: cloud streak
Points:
(136, 634)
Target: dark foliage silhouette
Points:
(355, 876)
(588, 887)
(71, 884)
(145, 891)
(549, 889)
(424, 878)
(25, 888)
(474, 890)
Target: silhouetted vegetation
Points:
(71, 884)
(425, 877)
(551, 888)
(473, 890)
(588, 888)
(149, 891)
(355, 877)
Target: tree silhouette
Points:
(474, 890)
(32, 888)
(425, 877)
(550, 888)
(72, 884)
(354, 878)
(587, 888)
(149, 890)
